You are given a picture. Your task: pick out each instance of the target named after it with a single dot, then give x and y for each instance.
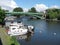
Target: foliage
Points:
(2, 15)
(18, 9)
(52, 13)
(32, 10)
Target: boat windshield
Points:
(24, 27)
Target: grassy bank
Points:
(6, 39)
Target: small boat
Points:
(18, 29)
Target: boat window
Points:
(11, 21)
(19, 21)
(13, 28)
(13, 25)
(19, 26)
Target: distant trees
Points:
(18, 9)
(58, 13)
(53, 13)
(33, 10)
(50, 13)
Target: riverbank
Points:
(52, 20)
(6, 39)
(44, 19)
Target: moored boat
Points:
(18, 29)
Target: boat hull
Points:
(19, 32)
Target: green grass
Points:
(6, 39)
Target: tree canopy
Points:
(2, 15)
(18, 9)
(32, 10)
(53, 13)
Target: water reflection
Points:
(29, 35)
(54, 33)
(26, 37)
(45, 33)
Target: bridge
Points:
(37, 15)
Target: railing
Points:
(39, 15)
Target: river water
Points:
(45, 33)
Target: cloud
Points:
(40, 7)
(8, 4)
(25, 10)
(11, 4)
(54, 6)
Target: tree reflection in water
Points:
(29, 36)
(26, 37)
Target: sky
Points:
(40, 5)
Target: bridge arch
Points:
(38, 15)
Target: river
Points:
(45, 33)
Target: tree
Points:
(2, 16)
(52, 13)
(18, 9)
(6, 10)
(58, 17)
(32, 10)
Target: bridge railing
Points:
(39, 15)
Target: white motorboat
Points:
(18, 29)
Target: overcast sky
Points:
(40, 5)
